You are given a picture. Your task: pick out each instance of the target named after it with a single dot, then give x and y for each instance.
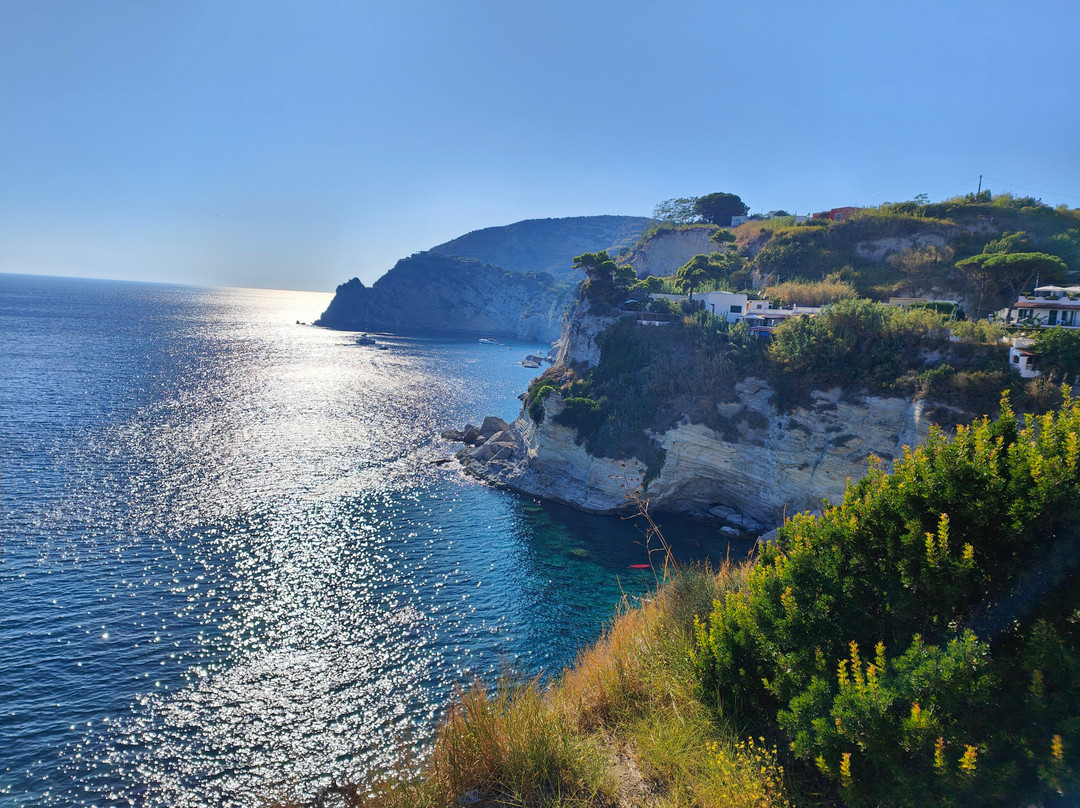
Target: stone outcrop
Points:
(764, 465)
(577, 345)
(755, 466)
(668, 249)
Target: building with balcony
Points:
(1048, 307)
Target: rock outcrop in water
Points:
(432, 292)
(766, 464)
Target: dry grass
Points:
(622, 727)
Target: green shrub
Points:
(581, 413)
(854, 342)
(1057, 352)
(917, 645)
(536, 401)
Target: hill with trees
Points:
(546, 245)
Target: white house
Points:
(1021, 359)
(729, 305)
(735, 308)
(1047, 307)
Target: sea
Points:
(237, 561)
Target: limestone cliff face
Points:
(764, 464)
(667, 249)
(430, 292)
(577, 344)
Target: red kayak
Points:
(640, 566)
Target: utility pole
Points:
(980, 186)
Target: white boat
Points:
(486, 341)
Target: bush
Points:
(855, 341)
(811, 293)
(581, 413)
(536, 401)
(1057, 352)
(917, 644)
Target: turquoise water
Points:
(232, 567)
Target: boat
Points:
(640, 566)
(486, 341)
(365, 339)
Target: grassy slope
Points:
(780, 248)
(623, 727)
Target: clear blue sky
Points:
(296, 145)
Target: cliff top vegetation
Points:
(979, 248)
(650, 378)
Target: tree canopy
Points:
(1057, 353)
(722, 237)
(994, 274)
(677, 211)
(605, 282)
(702, 268)
(718, 208)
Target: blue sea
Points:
(234, 565)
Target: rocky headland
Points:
(433, 292)
(511, 281)
(764, 464)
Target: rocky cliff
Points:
(432, 292)
(775, 463)
(764, 464)
(667, 249)
(509, 281)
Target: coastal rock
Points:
(491, 425)
(578, 342)
(767, 465)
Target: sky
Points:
(295, 145)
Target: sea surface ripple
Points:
(232, 566)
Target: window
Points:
(736, 309)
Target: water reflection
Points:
(231, 569)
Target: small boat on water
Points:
(365, 339)
(486, 341)
(640, 566)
